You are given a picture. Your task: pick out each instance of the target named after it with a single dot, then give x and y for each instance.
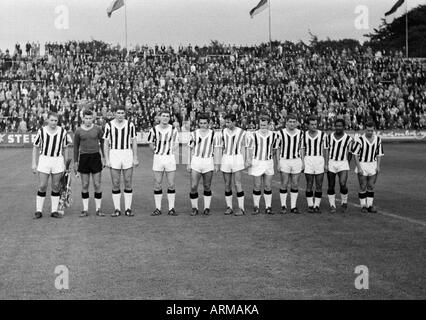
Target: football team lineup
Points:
(289, 150)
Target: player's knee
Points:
(238, 186)
(171, 185)
(42, 188)
(97, 186)
(344, 189)
(194, 188)
(206, 186)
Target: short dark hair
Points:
(370, 124)
(231, 116)
(52, 114)
(204, 116)
(165, 111)
(87, 112)
(292, 116)
(342, 121)
(312, 118)
(264, 117)
(119, 107)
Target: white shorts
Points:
(261, 167)
(51, 165)
(293, 166)
(369, 168)
(232, 163)
(166, 162)
(338, 166)
(121, 159)
(314, 164)
(202, 165)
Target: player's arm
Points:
(190, 152)
(101, 145)
(134, 144)
(218, 149)
(151, 140)
(76, 149)
(326, 152)
(379, 155)
(249, 152)
(277, 153)
(355, 152)
(348, 153)
(34, 159)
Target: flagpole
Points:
(270, 37)
(406, 28)
(125, 21)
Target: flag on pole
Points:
(394, 8)
(115, 5)
(262, 5)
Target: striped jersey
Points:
(120, 135)
(51, 144)
(232, 142)
(366, 150)
(314, 145)
(163, 139)
(262, 146)
(290, 144)
(203, 146)
(339, 148)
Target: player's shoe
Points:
(283, 210)
(295, 211)
(239, 212)
(311, 210)
(229, 211)
(194, 212)
(156, 212)
(206, 212)
(344, 207)
(55, 214)
(38, 215)
(99, 213)
(129, 213)
(172, 212)
(84, 214)
(332, 209)
(255, 211)
(269, 211)
(372, 209)
(116, 213)
(317, 210)
(364, 210)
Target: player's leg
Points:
(331, 179)
(193, 195)
(128, 191)
(56, 179)
(240, 192)
(171, 193)
(362, 192)
(257, 193)
(116, 192)
(371, 180)
(97, 185)
(227, 177)
(267, 193)
(319, 178)
(43, 179)
(343, 179)
(285, 178)
(294, 191)
(85, 182)
(309, 192)
(207, 185)
(158, 191)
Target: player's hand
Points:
(135, 162)
(34, 168)
(360, 171)
(75, 167)
(248, 164)
(188, 167)
(216, 168)
(107, 164)
(303, 166)
(377, 170)
(103, 163)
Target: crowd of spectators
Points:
(283, 78)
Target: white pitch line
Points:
(382, 212)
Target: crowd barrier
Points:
(27, 139)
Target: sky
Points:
(177, 22)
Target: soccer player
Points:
(340, 144)
(316, 162)
(88, 161)
(201, 162)
(231, 147)
(51, 143)
(368, 152)
(163, 140)
(290, 160)
(260, 149)
(120, 152)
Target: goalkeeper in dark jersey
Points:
(88, 160)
